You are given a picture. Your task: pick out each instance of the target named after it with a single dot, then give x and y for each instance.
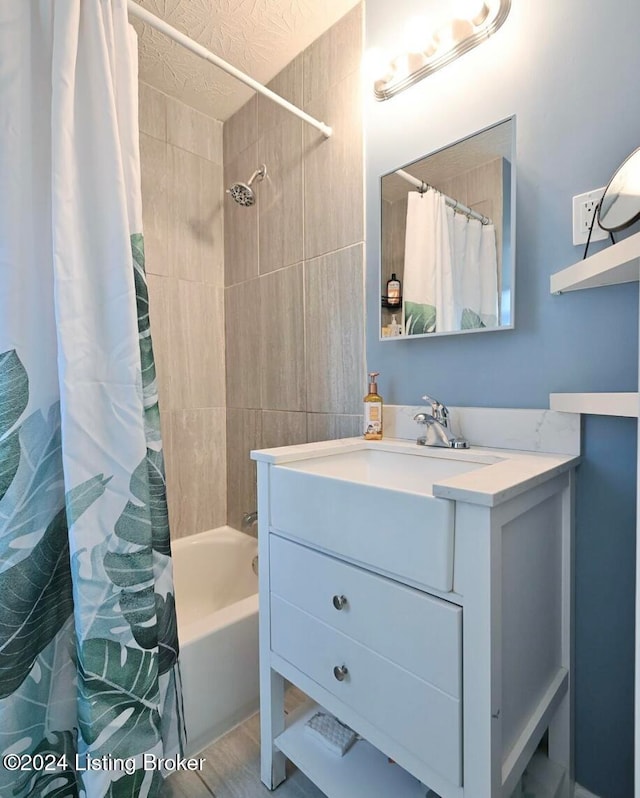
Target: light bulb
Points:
(416, 34)
(451, 34)
(376, 64)
(476, 11)
(431, 49)
(401, 66)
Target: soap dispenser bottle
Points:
(373, 410)
(394, 295)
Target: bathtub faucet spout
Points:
(250, 523)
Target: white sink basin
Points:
(374, 506)
(405, 471)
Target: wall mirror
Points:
(447, 239)
(620, 205)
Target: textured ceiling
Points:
(259, 37)
(496, 142)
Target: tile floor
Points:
(232, 767)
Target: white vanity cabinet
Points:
(429, 614)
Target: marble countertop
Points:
(505, 473)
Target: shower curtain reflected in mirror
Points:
(450, 268)
(88, 638)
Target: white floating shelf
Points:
(597, 404)
(362, 771)
(619, 263)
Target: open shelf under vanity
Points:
(363, 770)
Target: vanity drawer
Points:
(364, 523)
(418, 632)
(423, 719)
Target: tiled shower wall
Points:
(181, 154)
(294, 301)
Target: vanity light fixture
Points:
(472, 22)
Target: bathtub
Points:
(216, 594)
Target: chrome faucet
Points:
(437, 431)
(250, 523)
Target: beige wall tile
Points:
(334, 332)
(241, 223)
(301, 369)
(163, 292)
(170, 467)
(485, 186)
(153, 167)
(328, 426)
(242, 338)
(165, 432)
(183, 226)
(287, 84)
(152, 112)
(198, 368)
(213, 244)
(333, 56)
(280, 214)
(193, 131)
(282, 370)
(333, 171)
(197, 486)
(193, 202)
(283, 429)
(244, 433)
(394, 224)
(241, 130)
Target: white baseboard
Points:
(580, 792)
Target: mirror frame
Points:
(634, 156)
(512, 238)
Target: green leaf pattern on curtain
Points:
(36, 601)
(470, 320)
(36, 593)
(14, 390)
(124, 682)
(125, 669)
(129, 786)
(119, 698)
(34, 496)
(52, 784)
(149, 385)
(419, 319)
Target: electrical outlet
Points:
(584, 207)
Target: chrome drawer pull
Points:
(340, 672)
(339, 602)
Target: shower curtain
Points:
(475, 273)
(450, 268)
(428, 264)
(88, 636)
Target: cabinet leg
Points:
(272, 761)
(560, 742)
(561, 727)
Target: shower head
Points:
(242, 193)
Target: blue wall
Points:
(569, 72)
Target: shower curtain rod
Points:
(452, 203)
(199, 50)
